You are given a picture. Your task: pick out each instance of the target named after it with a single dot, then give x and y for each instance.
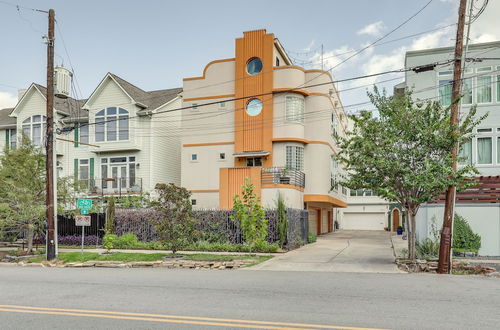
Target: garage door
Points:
(364, 221)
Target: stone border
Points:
(176, 263)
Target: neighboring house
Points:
(121, 140)
(481, 87)
(264, 123)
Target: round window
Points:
(254, 66)
(254, 107)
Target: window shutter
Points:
(7, 140)
(91, 169)
(76, 137)
(76, 170)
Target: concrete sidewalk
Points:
(344, 251)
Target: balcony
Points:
(112, 186)
(283, 175)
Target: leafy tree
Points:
(404, 153)
(176, 226)
(68, 191)
(22, 190)
(282, 220)
(250, 214)
(464, 239)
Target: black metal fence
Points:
(283, 175)
(66, 225)
(214, 225)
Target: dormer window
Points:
(111, 125)
(34, 128)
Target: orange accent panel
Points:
(324, 199)
(250, 132)
(282, 186)
(206, 67)
(204, 190)
(206, 144)
(231, 180)
(208, 97)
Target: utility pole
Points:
(49, 149)
(444, 265)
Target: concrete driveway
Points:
(344, 251)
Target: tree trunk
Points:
(412, 235)
(31, 233)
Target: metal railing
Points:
(283, 175)
(112, 186)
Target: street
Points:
(106, 299)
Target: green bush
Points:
(464, 239)
(311, 238)
(109, 241)
(428, 249)
(128, 241)
(228, 247)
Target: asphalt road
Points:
(97, 298)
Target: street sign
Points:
(82, 220)
(84, 211)
(85, 204)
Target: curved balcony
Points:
(283, 175)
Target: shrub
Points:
(311, 238)
(76, 240)
(463, 236)
(110, 216)
(250, 214)
(282, 221)
(175, 226)
(109, 241)
(428, 249)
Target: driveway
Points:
(344, 251)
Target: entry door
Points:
(318, 222)
(119, 173)
(395, 219)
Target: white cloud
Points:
(373, 29)
(487, 27)
(7, 100)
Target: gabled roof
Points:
(5, 120)
(72, 107)
(147, 100)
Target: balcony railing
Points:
(283, 175)
(112, 186)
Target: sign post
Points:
(83, 220)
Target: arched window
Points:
(34, 128)
(111, 125)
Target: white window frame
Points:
(30, 126)
(490, 85)
(485, 135)
(12, 132)
(112, 120)
(294, 157)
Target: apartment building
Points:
(121, 140)
(257, 116)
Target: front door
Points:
(318, 222)
(119, 174)
(395, 219)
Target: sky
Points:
(155, 43)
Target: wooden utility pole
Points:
(49, 149)
(444, 265)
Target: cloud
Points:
(7, 100)
(487, 26)
(373, 29)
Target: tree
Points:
(250, 214)
(175, 226)
(22, 192)
(282, 220)
(404, 153)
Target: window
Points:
(483, 89)
(498, 150)
(294, 111)
(498, 88)
(83, 170)
(334, 125)
(121, 169)
(484, 69)
(445, 87)
(277, 61)
(484, 150)
(254, 66)
(334, 166)
(362, 192)
(465, 153)
(254, 107)
(222, 156)
(295, 158)
(222, 105)
(11, 139)
(34, 128)
(467, 91)
(255, 161)
(193, 202)
(84, 133)
(194, 157)
(112, 125)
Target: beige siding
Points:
(313, 221)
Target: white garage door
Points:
(364, 221)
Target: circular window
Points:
(254, 107)
(254, 66)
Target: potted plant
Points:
(399, 230)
